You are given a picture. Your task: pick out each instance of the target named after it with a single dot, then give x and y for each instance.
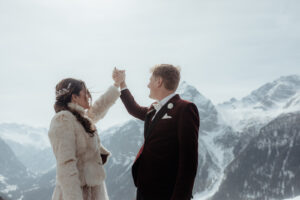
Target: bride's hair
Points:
(64, 91)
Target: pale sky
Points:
(226, 48)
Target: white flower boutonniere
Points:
(170, 105)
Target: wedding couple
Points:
(166, 165)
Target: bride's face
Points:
(82, 99)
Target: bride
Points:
(73, 135)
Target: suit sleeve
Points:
(188, 128)
(102, 105)
(132, 107)
(62, 138)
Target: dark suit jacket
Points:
(167, 164)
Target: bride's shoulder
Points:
(63, 116)
(61, 123)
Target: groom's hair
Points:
(169, 73)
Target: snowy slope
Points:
(25, 135)
(30, 145)
(269, 167)
(295, 198)
(263, 104)
(13, 174)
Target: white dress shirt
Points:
(162, 103)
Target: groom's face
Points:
(153, 86)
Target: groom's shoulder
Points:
(185, 104)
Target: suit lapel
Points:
(149, 115)
(158, 116)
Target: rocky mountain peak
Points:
(273, 93)
(207, 111)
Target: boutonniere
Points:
(170, 105)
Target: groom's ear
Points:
(160, 82)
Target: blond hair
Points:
(169, 73)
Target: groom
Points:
(166, 165)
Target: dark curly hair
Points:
(73, 86)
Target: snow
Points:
(21, 197)
(8, 188)
(241, 113)
(25, 135)
(295, 198)
(220, 156)
(2, 179)
(190, 93)
(209, 193)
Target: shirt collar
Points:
(166, 99)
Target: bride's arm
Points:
(103, 103)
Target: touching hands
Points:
(119, 77)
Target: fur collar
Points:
(76, 107)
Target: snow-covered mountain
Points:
(13, 174)
(30, 145)
(41, 188)
(269, 167)
(216, 141)
(123, 142)
(248, 115)
(296, 198)
(263, 104)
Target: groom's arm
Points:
(188, 127)
(132, 107)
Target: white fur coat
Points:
(78, 159)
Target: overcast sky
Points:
(226, 48)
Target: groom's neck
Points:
(164, 94)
